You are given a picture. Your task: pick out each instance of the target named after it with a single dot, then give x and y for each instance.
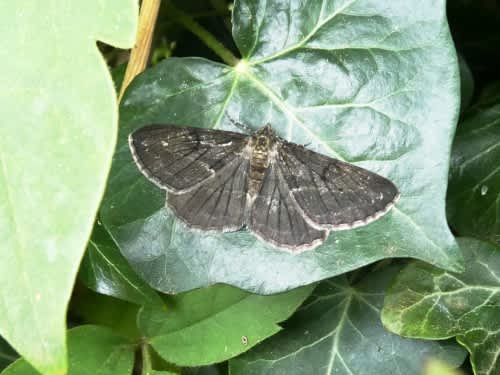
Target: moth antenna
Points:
(240, 125)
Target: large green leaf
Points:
(105, 271)
(338, 331)
(473, 195)
(426, 302)
(211, 325)
(56, 144)
(91, 350)
(356, 80)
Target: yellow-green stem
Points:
(146, 359)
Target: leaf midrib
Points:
(334, 352)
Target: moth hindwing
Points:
(282, 192)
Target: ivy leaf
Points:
(489, 96)
(91, 350)
(105, 271)
(346, 78)
(466, 83)
(426, 302)
(88, 307)
(206, 326)
(473, 202)
(56, 146)
(338, 331)
(7, 354)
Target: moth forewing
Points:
(179, 159)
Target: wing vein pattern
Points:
(275, 217)
(331, 193)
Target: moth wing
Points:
(219, 202)
(275, 217)
(178, 159)
(334, 194)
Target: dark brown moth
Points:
(282, 192)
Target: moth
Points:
(282, 192)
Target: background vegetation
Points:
(375, 83)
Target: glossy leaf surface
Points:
(430, 303)
(106, 271)
(211, 325)
(338, 331)
(355, 80)
(473, 195)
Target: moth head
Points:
(266, 130)
(264, 138)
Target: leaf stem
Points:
(189, 23)
(146, 359)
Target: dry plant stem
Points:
(140, 53)
(183, 19)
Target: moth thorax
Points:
(261, 147)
